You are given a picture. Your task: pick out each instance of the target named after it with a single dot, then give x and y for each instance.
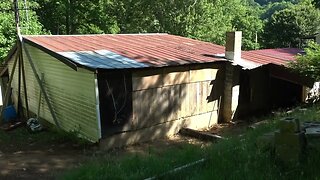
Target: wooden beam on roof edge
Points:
(287, 74)
(40, 85)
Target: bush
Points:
(309, 63)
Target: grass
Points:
(135, 166)
(238, 157)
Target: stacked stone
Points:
(289, 141)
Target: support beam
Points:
(42, 89)
(19, 86)
(24, 85)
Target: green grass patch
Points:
(136, 166)
(235, 158)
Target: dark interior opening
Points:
(284, 94)
(115, 95)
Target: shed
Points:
(127, 88)
(269, 83)
(102, 85)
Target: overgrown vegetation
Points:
(286, 27)
(238, 157)
(309, 63)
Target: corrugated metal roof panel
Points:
(129, 50)
(280, 56)
(245, 64)
(102, 59)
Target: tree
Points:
(271, 8)
(309, 64)
(206, 20)
(212, 19)
(286, 27)
(248, 21)
(77, 17)
(8, 32)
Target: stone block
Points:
(313, 137)
(289, 125)
(289, 147)
(290, 140)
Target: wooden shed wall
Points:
(177, 96)
(71, 93)
(166, 99)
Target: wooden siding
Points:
(72, 94)
(153, 132)
(176, 94)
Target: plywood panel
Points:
(192, 95)
(167, 129)
(202, 75)
(147, 82)
(178, 99)
(159, 78)
(177, 75)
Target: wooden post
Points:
(21, 62)
(40, 85)
(24, 83)
(19, 85)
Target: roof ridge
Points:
(270, 49)
(71, 35)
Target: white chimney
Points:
(233, 45)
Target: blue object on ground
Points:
(9, 113)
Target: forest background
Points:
(264, 23)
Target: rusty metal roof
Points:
(280, 56)
(127, 50)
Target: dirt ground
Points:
(37, 160)
(30, 158)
